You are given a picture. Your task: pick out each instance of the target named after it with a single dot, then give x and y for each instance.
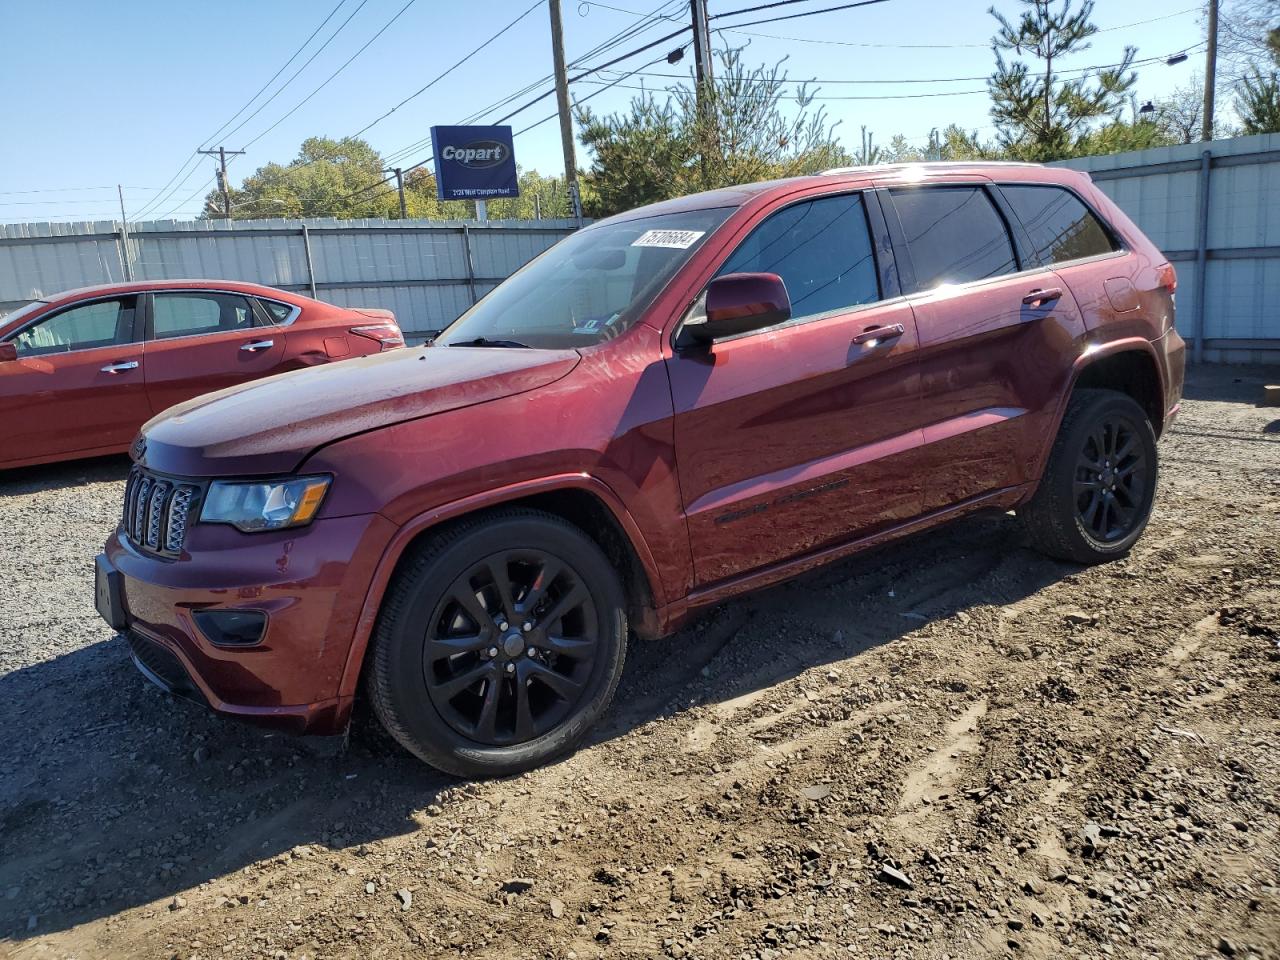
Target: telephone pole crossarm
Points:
(221, 153)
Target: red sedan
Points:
(82, 371)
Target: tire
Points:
(533, 695)
(1064, 518)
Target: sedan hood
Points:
(270, 426)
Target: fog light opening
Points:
(232, 628)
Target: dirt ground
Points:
(949, 747)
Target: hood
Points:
(269, 426)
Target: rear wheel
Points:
(1099, 484)
(499, 644)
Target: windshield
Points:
(21, 312)
(589, 287)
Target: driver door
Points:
(77, 384)
(796, 438)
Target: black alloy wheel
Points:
(510, 647)
(499, 644)
(1095, 495)
(1111, 479)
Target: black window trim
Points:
(888, 277)
(136, 334)
(147, 309)
(1121, 248)
(295, 311)
(902, 251)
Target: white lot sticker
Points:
(675, 239)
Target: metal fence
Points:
(427, 271)
(1214, 209)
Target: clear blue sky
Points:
(94, 93)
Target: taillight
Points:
(388, 335)
(1167, 277)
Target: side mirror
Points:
(739, 303)
(8, 351)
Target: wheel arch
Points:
(583, 500)
(1129, 367)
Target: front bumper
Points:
(311, 583)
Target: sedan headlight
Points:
(264, 505)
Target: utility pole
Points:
(701, 43)
(562, 104)
(124, 235)
(221, 154)
(1210, 72)
(404, 211)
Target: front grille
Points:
(156, 511)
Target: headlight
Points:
(264, 505)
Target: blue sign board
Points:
(474, 163)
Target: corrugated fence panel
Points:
(1161, 189)
(39, 259)
(418, 268)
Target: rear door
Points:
(796, 438)
(77, 384)
(203, 340)
(997, 334)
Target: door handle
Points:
(890, 331)
(253, 346)
(120, 367)
(1038, 298)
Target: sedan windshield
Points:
(588, 288)
(23, 311)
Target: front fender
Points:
(510, 493)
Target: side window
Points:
(278, 312)
(955, 235)
(1059, 225)
(98, 324)
(822, 251)
(190, 314)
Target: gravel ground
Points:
(949, 747)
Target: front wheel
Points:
(499, 645)
(1099, 484)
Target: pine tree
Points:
(1040, 116)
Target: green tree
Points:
(1258, 102)
(951, 143)
(671, 145)
(344, 179)
(328, 178)
(1038, 115)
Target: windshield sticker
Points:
(672, 239)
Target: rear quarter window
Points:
(278, 312)
(1060, 226)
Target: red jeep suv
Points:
(668, 408)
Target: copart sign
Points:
(474, 163)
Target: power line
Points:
(335, 73)
(790, 16)
(296, 107)
(195, 155)
(423, 89)
(646, 23)
(284, 67)
(928, 46)
(8, 193)
(879, 96)
(820, 80)
(537, 123)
